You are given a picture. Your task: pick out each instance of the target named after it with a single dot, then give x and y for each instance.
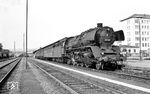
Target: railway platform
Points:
(28, 82)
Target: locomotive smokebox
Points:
(100, 25)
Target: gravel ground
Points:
(137, 63)
(27, 84)
(17, 77)
(49, 85)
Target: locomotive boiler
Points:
(92, 48)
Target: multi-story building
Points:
(135, 27)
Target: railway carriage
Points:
(92, 48)
(4, 53)
(54, 51)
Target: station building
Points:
(135, 27)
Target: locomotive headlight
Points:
(119, 62)
(108, 40)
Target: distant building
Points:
(132, 27)
(148, 52)
(130, 50)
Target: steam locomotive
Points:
(92, 48)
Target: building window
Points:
(128, 27)
(137, 38)
(137, 44)
(142, 38)
(136, 26)
(145, 45)
(136, 32)
(134, 50)
(142, 44)
(142, 21)
(128, 39)
(129, 50)
(136, 21)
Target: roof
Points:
(145, 16)
(50, 44)
(127, 46)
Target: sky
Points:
(51, 20)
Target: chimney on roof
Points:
(100, 25)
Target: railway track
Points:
(130, 74)
(126, 73)
(5, 59)
(6, 70)
(142, 72)
(5, 63)
(76, 85)
(135, 74)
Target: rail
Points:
(75, 85)
(5, 77)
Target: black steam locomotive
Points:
(92, 48)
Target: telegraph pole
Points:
(14, 46)
(23, 42)
(26, 29)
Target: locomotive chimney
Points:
(100, 25)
